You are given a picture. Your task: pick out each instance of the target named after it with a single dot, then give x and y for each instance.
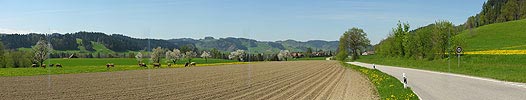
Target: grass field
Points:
(86, 65)
(500, 67)
(499, 36)
(389, 88)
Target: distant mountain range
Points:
(96, 41)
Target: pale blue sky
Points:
(267, 20)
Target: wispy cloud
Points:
(16, 31)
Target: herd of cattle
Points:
(109, 65)
(50, 65)
(155, 65)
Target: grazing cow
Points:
(33, 65)
(142, 65)
(193, 63)
(44, 65)
(110, 65)
(169, 64)
(59, 65)
(158, 65)
(189, 64)
(51, 65)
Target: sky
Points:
(265, 20)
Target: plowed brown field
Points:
(263, 80)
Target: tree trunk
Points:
(42, 62)
(354, 54)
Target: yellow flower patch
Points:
(498, 52)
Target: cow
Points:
(43, 65)
(189, 64)
(59, 65)
(193, 63)
(142, 65)
(33, 65)
(110, 65)
(51, 65)
(158, 65)
(169, 64)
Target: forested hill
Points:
(497, 11)
(90, 41)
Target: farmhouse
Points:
(296, 55)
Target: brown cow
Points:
(158, 65)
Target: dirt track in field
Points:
(263, 80)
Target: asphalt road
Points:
(430, 85)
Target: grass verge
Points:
(389, 88)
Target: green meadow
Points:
(88, 65)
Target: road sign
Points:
(459, 50)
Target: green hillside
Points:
(492, 51)
(100, 48)
(501, 36)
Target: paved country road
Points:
(430, 85)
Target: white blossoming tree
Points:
(139, 57)
(206, 55)
(190, 55)
(42, 51)
(173, 56)
(238, 54)
(156, 55)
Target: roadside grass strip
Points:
(389, 88)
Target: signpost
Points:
(459, 51)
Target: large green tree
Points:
(401, 39)
(308, 53)
(441, 38)
(342, 48)
(357, 40)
